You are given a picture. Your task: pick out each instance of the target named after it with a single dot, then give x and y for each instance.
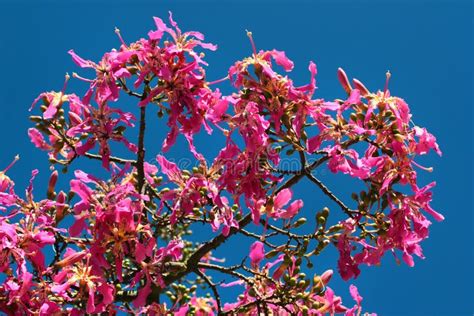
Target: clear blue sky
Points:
(427, 46)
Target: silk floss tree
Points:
(128, 242)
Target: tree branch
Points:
(194, 259)
(141, 149)
(192, 262)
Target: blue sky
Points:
(427, 46)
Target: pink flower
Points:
(178, 36)
(426, 141)
(19, 291)
(150, 170)
(313, 143)
(423, 196)
(170, 169)
(49, 308)
(53, 101)
(93, 284)
(348, 267)
(143, 293)
(103, 125)
(108, 71)
(38, 140)
(355, 294)
(311, 86)
(357, 309)
(332, 303)
(281, 59)
(281, 199)
(203, 306)
(153, 271)
(257, 253)
(6, 185)
(348, 161)
(100, 125)
(217, 108)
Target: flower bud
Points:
(305, 310)
(302, 284)
(321, 217)
(341, 75)
(52, 183)
(399, 138)
(326, 276)
(35, 118)
(360, 86)
(317, 284)
(70, 260)
(325, 212)
(271, 254)
(299, 222)
(292, 282)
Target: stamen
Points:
(430, 169)
(66, 79)
(117, 31)
(75, 75)
(17, 157)
(249, 34)
(387, 75)
(218, 80)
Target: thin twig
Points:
(113, 159)
(213, 289)
(287, 233)
(127, 90)
(258, 237)
(230, 271)
(331, 195)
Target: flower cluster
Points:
(289, 291)
(84, 128)
(388, 163)
(26, 230)
(125, 242)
